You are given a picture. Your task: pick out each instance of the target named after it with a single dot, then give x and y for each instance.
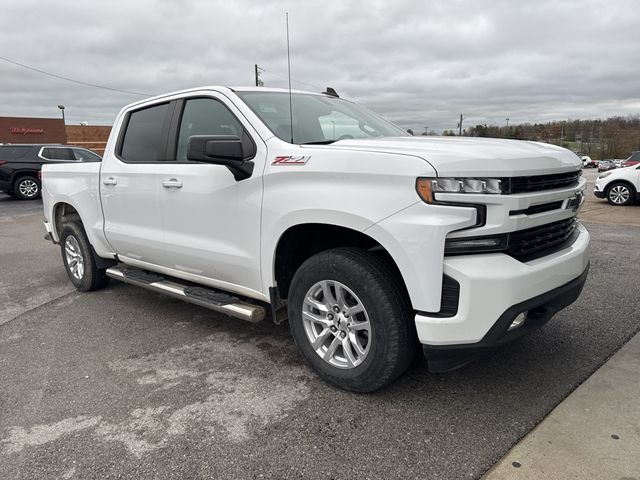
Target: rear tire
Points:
(26, 188)
(78, 259)
(351, 318)
(620, 194)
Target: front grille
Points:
(545, 207)
(537, 183)
(539, 241)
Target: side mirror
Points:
(220, 150)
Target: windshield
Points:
(317, 118)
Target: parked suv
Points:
(620, 186)
(20, 166)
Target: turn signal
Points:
(423, 187)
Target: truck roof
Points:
(219, 88)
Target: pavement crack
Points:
(38, 306)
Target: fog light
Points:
(518, 322)
(475, 245)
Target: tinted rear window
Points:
(635, 156)
(143, 136)
(12, 152)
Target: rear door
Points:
(130, 185)
(212, 221)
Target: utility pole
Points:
(259, 83)
(460, 126)
(507, 122)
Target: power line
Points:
(73, 80)
(292, 79)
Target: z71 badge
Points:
(291, 160)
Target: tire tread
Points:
(383, 284)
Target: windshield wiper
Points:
(322, 142)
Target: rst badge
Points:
(291, 160)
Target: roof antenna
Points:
(330, 91)
(289, 71)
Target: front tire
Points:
(26, 188)
(78, 259)
(351, 318)
(620, 194)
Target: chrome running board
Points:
(202, 296)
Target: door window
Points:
(206, 116)
(85, 155)
(58, 154)
(143, 136)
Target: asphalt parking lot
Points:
(124, 383)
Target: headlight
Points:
(604, 175)
(426, 187)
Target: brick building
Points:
(93, 137)
(32, 130)
(53, 130)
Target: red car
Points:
(634, 159)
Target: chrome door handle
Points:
(172, 183)
(110, 181)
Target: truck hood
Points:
(468, 156)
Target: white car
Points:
(620, 186)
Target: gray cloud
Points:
(416, 62)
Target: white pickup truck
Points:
(259, 202)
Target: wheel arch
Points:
(301, 241)
(62, 212)
(24, 172)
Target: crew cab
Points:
(265, 203)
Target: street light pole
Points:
(64, 123)
(507, 122)
(61, 107)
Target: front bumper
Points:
(539, 310)
(600, 187)
(492, 285)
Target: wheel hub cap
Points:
(74, 257)
(28, 188)
(336, 324)
(619, 194)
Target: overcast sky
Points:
(416, 62)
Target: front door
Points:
(211, 222)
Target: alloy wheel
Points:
(336, 324)
(74, 257)
(28, 188)
(619, 194)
